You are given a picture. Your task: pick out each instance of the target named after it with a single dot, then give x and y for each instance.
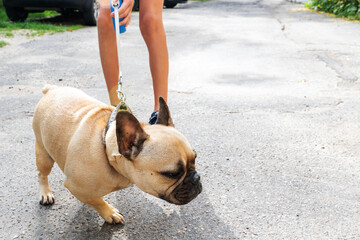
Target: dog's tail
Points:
(48, 87)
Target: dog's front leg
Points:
(106, 211)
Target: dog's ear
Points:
(130, 135)
(164, 117)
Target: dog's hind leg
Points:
(44, 165)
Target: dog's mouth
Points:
(185, 192)
(185, 195)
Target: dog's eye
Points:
(173, 175)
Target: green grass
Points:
(8, 34)
(342, 8)
(45, 14)
(35, 23)
(3, 43)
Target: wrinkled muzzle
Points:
(188, 189)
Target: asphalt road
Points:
(266, 92)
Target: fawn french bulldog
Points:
(69, 129)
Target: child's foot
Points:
(153, 117)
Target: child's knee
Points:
(150, 24)
(104, 19)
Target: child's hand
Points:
(125, 12)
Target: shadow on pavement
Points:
(150, 219)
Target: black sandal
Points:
(153, 117)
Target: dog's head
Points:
(157, 158)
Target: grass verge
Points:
(36, 24)
(3, 43)
(342, 8)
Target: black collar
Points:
(122, 106)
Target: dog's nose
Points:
(195, 179)
(192, 177)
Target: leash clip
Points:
(121, 94)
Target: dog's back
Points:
(57, 116)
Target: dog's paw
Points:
(114, 217)
(46, 198)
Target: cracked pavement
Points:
(265, 91)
